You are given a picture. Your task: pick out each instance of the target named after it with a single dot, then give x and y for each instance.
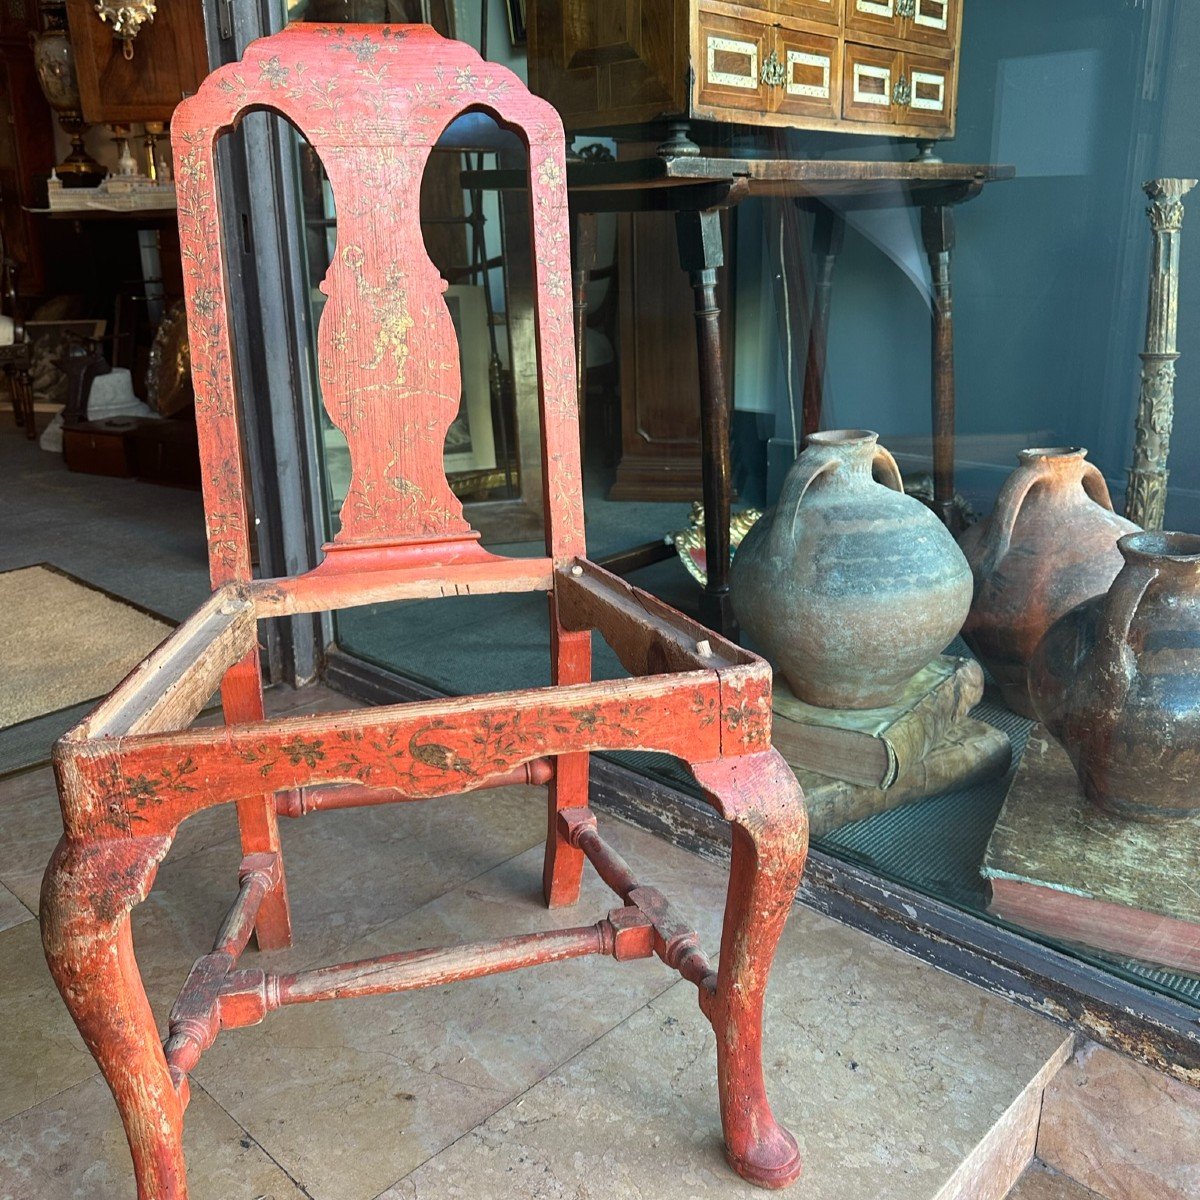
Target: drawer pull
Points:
(906, 8)
(773, 73)
(902, 93)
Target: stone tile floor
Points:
(1041, 1183)
(580, 1080)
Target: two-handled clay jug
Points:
(1049, 543)
(849, 585)
(1117, 681)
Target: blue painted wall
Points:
(1087, 98)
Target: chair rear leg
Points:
(87, 895)
(562, 872)
(759, 796)
(258, 822)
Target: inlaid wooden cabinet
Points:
(848, 65)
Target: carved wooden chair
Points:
(372, 102)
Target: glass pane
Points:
(1028, 261)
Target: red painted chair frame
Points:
(372, 101)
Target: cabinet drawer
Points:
(870, 76)
(732, 53)
(829, 11)
(925, 22)
(932, 23)
(890, 87)
(925, 85)
(809, 70)
(880, 17)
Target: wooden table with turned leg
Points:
(697, 187)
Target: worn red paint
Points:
(372, 101)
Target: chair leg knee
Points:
(88, 893)
(759, 795)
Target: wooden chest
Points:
(858, 66)
(101, 447)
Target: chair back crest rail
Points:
(372, 101)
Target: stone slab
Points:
(1122, 1129)
(888, 1072)
(40, 1051)
(351, 1095)
(12, 911)
(72, 1147)
(993, 1167)
(1041, 1183)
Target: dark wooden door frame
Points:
(276, 377)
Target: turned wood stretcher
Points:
(372, 101)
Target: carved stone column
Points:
(1146, 496)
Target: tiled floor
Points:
(580, 1080)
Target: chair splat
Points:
(372, 103)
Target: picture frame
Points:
(470, 441)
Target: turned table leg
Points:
(937, 232)
(829, 231)
(700, 254)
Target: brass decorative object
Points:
(773, 74)
(54, 62)
(169, 371)
(689, 543)
(126, 20)
(1146, 495)
(154, 130)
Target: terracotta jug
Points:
(1117, 681)
(1050, 543)
(849, 585)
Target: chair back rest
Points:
(372, 101)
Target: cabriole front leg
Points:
(759, 796)
(88, 892)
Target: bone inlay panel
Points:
(872, 85)
(928, 91)
(808, 74)
(933, 14)
(732, 63)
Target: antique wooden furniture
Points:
(661, 436)
(697, 189)
(372, 101)
(169, 62)
(856, 66)
(27, 150)
(16, 351)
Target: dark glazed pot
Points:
(849, 585)
(1117, 682)
(1049, 544)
